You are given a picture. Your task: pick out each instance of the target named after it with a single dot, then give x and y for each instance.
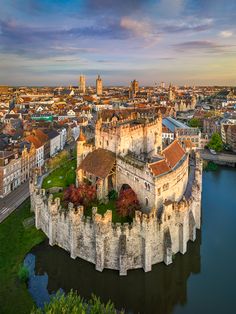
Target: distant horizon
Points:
(110, 86)
(53, 42)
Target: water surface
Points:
(201, 281)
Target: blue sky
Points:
(180, 41)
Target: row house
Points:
(231, 120)
(28, 160)
(189, 134)
(211, 125)
(44, 139)
(39, 147)
(230, 136)
(10, 172)
(54, 140)
(63, 136)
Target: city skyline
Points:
(52, 43)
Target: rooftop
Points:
(172, 124)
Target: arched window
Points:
(146, 201)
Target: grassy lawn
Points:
(62, 176)
(15, 243)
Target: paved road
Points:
(221, 157)
(9, 203)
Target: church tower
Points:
(170, 93)
(99, 85)
(82, 84)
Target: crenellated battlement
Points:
(152, 237)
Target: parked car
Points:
(213, 152)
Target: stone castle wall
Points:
(150, 239)
(138, 138)
(153, 191)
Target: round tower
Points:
(80, 147)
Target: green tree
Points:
(58, 160)
(23, 273)
(72, 303)
(127, 203)
(194, 123)
(216, 142)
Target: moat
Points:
(201, 281)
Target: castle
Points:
(128, 153)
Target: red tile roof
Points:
(40, 135)
(159, 167)
(81, 137)
(173, 153)
(99, 162)
(33, 139)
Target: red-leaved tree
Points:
(127, 203)
(83, 195)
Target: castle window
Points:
(146, 201)
(107, 143)
(165, 186)
(159, 191)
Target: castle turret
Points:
(80, 147)
(80, 154)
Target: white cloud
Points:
(138, 28)
(226, 34)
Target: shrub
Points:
(127, 203)
(211, 166)
(112, 195)
(194, 123)
(23, 273)
(83, 195)
(72, 303)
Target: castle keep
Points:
(128, 153)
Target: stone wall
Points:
(151, 238)
(153, 191)
(145, 137)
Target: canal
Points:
(201, 281)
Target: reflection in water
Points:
(165, 289)
(155, 292)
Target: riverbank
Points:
(15, 242)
